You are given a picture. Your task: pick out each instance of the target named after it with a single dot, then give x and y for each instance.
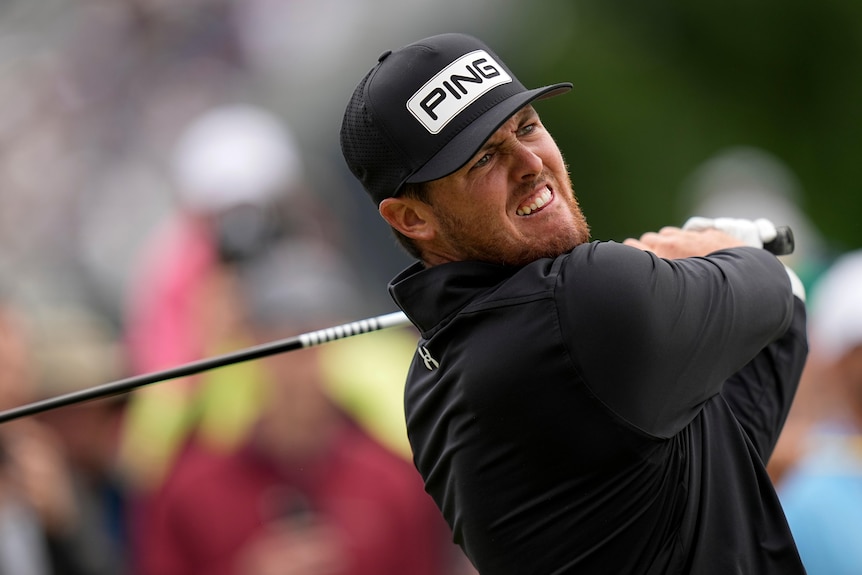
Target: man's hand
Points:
(672, 243)
(755, 233)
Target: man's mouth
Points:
(535, 202)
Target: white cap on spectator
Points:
(835, 324)
(303, 283)
(233, 155)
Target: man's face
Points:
(512, 203)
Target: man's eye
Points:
(482, 161)
(528, 129)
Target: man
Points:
(573, 406)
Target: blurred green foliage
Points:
(660, 87)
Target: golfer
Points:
(574, 406)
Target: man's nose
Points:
(526, 162)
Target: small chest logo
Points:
(430, 362)
(454, 88)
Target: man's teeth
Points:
(540, 200)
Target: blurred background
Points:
(152, 150)
(95, 94)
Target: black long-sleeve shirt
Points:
(606, 411)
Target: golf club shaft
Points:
(301, 341)
(783, 244)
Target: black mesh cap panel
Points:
(371, 156)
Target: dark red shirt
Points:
(215, 504)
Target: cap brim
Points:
(464, 146)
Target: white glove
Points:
(753, 233)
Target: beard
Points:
(482, 239)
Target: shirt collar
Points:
(430, 295)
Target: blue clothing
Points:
(822, 499)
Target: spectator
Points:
(822, 493)
(44, 527)
(309, 491)
(235, 167)
(74, 349)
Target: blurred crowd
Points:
(294, 463)
(95, 94)
(819, 465)
(170, 189)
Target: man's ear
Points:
(409, 216)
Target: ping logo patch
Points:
(454, 88)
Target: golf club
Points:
(782, 244)
(301, 341)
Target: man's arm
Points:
(760, 394)
(657, 337)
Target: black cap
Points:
(425, 109)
